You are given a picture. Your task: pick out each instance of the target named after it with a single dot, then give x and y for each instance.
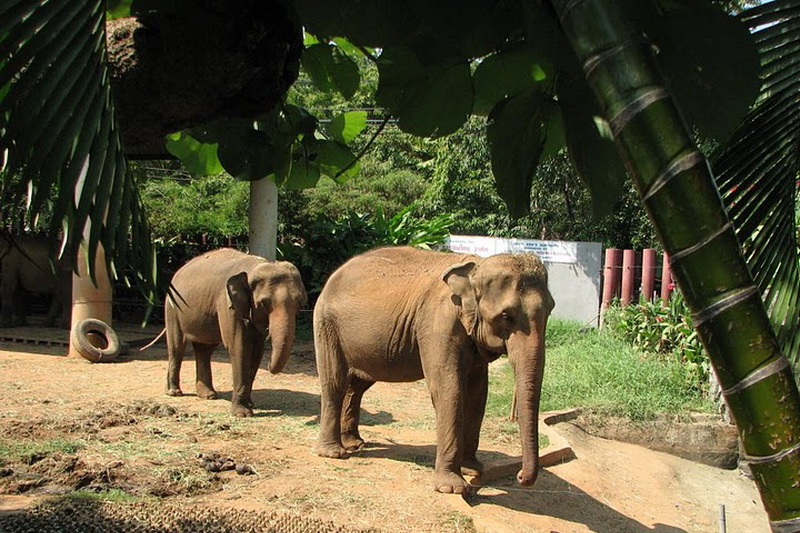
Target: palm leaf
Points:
(59, 132)
(757, 171)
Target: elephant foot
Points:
(241, 411)
(451, 483)
(352, 441)
(332, 451)
(471, 467)
(174, 391)
(206, 393)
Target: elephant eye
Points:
(506, 318)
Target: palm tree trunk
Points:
(677, 188)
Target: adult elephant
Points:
(26, 266)
(231, 298)
(403, 314)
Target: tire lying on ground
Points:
(95, 341)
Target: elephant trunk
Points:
(282, 331)
(527, 355)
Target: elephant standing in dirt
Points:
(231, 298)
(403, 314)
(26, 265)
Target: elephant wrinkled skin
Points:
(403, 314)
(26, 265)
(231, 298)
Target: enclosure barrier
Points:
(629, 275)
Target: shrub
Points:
(662, 330)
(325, 244)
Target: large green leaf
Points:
(516, 133)
(336, 161)
(345, 127)
(331, 69)
(711, 65)
(590, 145)
(428, 100)
(198, 158)
(507, 73)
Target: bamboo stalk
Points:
(677, 188)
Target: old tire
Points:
(95, 341)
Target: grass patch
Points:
(458, 523)
(30, 451)
(594, 370)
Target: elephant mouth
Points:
(490, 357)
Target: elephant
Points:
(26, 265)
(401, 314)
(231, 298)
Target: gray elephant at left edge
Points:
(26, 266)
(235, 299)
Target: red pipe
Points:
(666, 279)
(611, 276)
(648, 273)
(628, 276)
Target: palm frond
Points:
(58, 131)
(757, 172)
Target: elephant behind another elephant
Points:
(404, 314)
(231, 298)
(26, 265)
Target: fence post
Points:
(628, 276)
(648, 273)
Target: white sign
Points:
(548, 251)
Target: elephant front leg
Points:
(351, 413)
(204, 382)
(474, 409)
(449, 406)
(245, 367)
(241, 404)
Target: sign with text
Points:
(548, 251)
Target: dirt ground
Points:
(110, 427)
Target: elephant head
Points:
(269, 295)
(504, 306)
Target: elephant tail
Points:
(152, 342)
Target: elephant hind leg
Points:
(176, 348)
(332, 370)
(204, 383)
(351, 412)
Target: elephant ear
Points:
(239, 295)
(457, 278)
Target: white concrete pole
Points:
(263, 218)
(88, 300)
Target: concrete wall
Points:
(574, 270)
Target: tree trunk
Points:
(678, 191)
(224, 58)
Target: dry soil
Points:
(109, 427)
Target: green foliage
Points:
(325, 244)
(663, 330)
(597, 371)
(560, 206)
(181, 206)
(371, 190)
